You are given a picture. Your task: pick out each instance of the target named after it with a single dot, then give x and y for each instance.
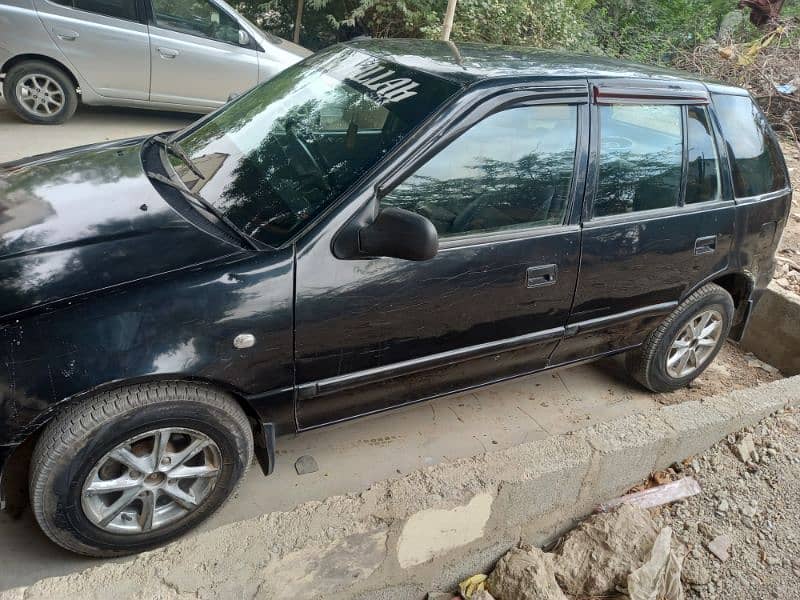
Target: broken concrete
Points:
(597, 557)
(525, 574)
(773, 333)
(537, 490)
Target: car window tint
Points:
(513, 169)
(641, 158)
(757, 163)
(703, 179)
(196, 17)
(121, 9)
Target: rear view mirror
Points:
(399, 233)
(244, 38)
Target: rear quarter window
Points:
(757, 162)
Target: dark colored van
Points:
(384, 223)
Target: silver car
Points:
(183, 55)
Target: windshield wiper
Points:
(175, 149)
(198, 201)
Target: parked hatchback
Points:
(384, 223)
(183, 55)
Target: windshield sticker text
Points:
(377, 80)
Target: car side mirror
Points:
(244, 38)
(398, 233)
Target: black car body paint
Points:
(108, 279)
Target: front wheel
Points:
(686, 343)
(134, 468)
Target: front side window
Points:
(702, 180)
(279, 155)
(120, 9)
(511, 170)
(641, 158)
(195, 17)
(758, 166)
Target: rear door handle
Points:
(541, 276)
(705, 245)
(66, 35)
(168, 52)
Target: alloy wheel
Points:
(694, 344)
(40, 95)
(151, 480)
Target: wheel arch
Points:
(21, 58)
(14, 491)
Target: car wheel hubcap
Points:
(695, 344)
(40, 95)
(151, 480)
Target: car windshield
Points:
(279, 155)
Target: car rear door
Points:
(659, 216)
(106, 41)
(197, 59)
(501, 188)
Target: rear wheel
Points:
(134, 468)
(40, 93)
(686, 343)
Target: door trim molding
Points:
(432, 361)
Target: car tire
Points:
(40, 93)
(678, 351)
(164, 456)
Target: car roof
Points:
(469, 62)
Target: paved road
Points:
(352, 455)
(19, 139)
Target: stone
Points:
(749, 510)
(482, 595)
(441, 596)
(723, 506)
(431, 532)
(744, 448)
(695, 573)
(720, 547)
(306, 464)
(598, 555)
(525, 574)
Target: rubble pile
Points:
(738, 539)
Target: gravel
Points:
(749, 510)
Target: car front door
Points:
(197, 57)
(106, 41)
(493, 304)
(659, 217)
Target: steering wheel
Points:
(298, 142)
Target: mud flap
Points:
(265, 447)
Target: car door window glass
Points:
(120, 9)
(513, 169)
(196, 17)
(703, 179)
(757, 164)
(641, 158)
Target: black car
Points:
(384, 223)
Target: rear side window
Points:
(120, 9)
(756, 159)
(702, 180)
(641, 158)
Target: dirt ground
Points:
(787, 274)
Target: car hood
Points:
(85, 219)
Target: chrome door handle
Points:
(168, 52)
(705, 245)
(67, 36)
(541, 276)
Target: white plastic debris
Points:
(660, 577)
(656, 496)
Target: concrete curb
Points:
(431, 528)
(773, 334)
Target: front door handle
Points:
(705, 245)
(168, 52)
(541, 276)
(66, 35)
